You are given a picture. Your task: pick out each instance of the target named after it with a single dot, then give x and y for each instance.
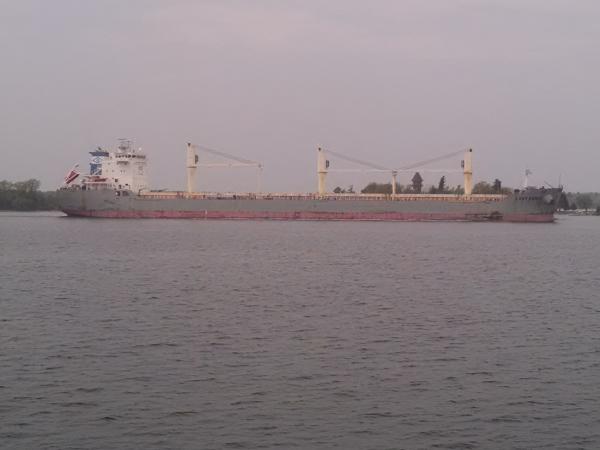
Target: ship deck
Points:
(154, 195)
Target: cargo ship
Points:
(117, 187)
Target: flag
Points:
(528, 172)
(72, 175)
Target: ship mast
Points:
(322, 166)
(192, 165)
(468, 171)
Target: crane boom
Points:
(226, 155)
(359, 161)
(394, 172)
(234, 161)
(429, 161)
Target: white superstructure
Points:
(123, 169)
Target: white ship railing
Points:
(152, 195)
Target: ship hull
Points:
(106, 204)
(305, 215)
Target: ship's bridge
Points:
(126, 167)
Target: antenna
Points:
(526, 181)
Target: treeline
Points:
(25, 196)
(568, 201)
(483, 187)
(386, 188)
(416, 187)
(582, 200)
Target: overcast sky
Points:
(392, 82)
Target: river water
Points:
(187, 334)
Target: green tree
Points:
(377, 188)
(339, 190)
(417, 182)
(497, 186)
(442, 185)
(483, 187)
(563, 202)
(25, 196)
(584, 201)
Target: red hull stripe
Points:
(307, 215)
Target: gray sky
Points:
(389, 81)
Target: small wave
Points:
(162, 344)
(89, 390)
(77, 404)
(182, 413)
(301, 378)
(40, 413)
(264, 428)
(381, 415)
(236, 445)
(456, 445)
(245, 402)
(509, 419)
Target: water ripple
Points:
(191, 334)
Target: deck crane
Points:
(233, 161)
(323, 168)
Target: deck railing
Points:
(328, 197)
